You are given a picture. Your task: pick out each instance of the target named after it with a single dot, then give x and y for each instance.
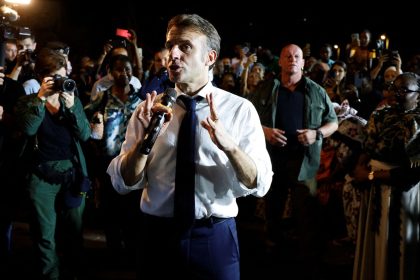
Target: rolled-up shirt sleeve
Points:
(252, 142)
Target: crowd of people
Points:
(281, 138)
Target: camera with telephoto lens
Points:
(63, 84)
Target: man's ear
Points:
(211, 57)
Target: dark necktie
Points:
(184, 205)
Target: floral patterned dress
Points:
(389, 233)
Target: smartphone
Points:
(118, 43)
(123, 33)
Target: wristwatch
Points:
(371, 175)
(319, 134)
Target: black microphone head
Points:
(168, 97)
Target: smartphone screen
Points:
(123, 33)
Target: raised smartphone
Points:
(123, 33)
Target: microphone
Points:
(156, 123)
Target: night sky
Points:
(85, 28)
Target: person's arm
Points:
(244, 75)
(275, 136)
(245, 168)
(75, 114)
(134, 162)
(243, 90)
(330, 122)
(138, 56)
(132, 165)
(398, 63)
(31, 112)
(375, 71)
(15, 72)
(106, 49)
(401, 177)
(328, 129)
(309, 136)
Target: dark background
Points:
(86, 25)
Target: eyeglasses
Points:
(402, 91)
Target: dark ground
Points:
(257, 262)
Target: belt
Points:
(212, 220)
(169, 221)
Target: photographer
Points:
(24, 68)
(57, 182)
(32, 85)
(10, 55)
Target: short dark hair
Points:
(48, 61)
(116, 58)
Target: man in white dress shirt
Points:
(231, 161)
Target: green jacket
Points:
(31, 112)
(318, 111)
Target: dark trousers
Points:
(304, 222)
(210, 251)
(285, 177)
(119, 215)
(49, 214)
